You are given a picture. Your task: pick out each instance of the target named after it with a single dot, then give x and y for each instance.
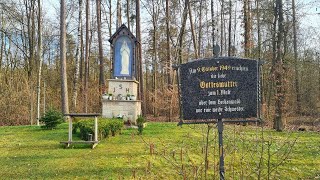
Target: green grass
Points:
(29, 152)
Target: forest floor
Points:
(164, 151)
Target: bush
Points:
(86, 128)
(105, 126)
(140, 122)
(115, 126)
(51, 119)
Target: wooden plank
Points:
(83, 114)
(78, 142)
(68, 143)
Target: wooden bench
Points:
(70, 141)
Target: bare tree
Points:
(258, 27)
(247, 28)
(295, 49)
(109, 24)
(222, 26)
(78, 60)
(2, 39)
(193, 33)
(182, 30)
(101, 73)
(169, 64)
(155, 15)
(139, 55)
(30, 48)
(274, 54)
(213, 25)
(39, 59)
(279, 100)
(119, 13)
(63, 59)
(128, 13)
(200, 28)
(86, 63)
(229, 28)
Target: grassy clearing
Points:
(164, 151)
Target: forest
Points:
(57, 55)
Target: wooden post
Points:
(96, 129)
(70, 131)
(221, 166)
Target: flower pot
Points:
(133, 98)
(105, 97)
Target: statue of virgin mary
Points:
(125, 55)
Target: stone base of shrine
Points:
(126, 109)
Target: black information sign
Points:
(219, 88)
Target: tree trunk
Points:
(222, 27)
(82, 56)
(139, 60)
(63, 59)
(258, 28)
(168, 44)
(235, 28)
(2, 40)
(213, 27)
(169, 64)
(78, 61)
(182, 29)
(119, 14)
(278, 119)
(193, 33)
(154, 46)
(128, 13)
(44, 97)
(246, 28)
(229, 29)
(318, 76)
(86, 63)
(110, 34)
(273, 64)
(295, 49)
(101, 74)
(30, 14)
(200, 29)
(39, 59)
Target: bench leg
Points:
(96, 128)
(94, 145)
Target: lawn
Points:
(164, 151)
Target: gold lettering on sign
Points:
(224, 84)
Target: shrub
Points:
(105, 126)
(140, 122)
(115, 126)
(51, 119)
(86, 128)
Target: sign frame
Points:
(213, 117)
